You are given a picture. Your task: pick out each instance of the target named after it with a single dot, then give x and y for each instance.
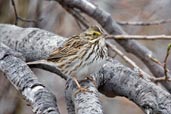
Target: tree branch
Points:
(166, 70)
(19, 74)
(130, 62)
(51, 67)
(113, 79)
(116, 79)
(140, 23)
(85, 103)
(29, 41)
(17, 17)
(139, 37)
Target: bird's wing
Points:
(70, 47)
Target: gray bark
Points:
(20, 75)
(24, 40)
(116, 79)
(113, 79)
(82, 103)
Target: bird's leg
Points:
(89, 78)
(80, 89)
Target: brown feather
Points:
(69, 48)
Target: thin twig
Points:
(165, 61)
(139, 37)
(79, 24)
(17, 17)
(161, 79)
(166, 70)
(43, 64)
(76, 14)
(158, 22)
(155, 60)
(15, 12)
(29, 20)
(128, 60)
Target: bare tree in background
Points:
(148, 89)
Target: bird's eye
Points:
(96, 34)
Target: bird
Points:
(81, 55)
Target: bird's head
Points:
(93, 33)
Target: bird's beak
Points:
(105, 36)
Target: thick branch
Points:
(29, 41)
(113, 79)
(106, 21)
(19, 74)
(40, 46)
(85, 103)
(116, 79)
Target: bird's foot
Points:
(82, 90)
(91, 79)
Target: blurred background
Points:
(52, 17)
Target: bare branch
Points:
(45, 45)
(17, 17)
(30, 41)
(165, 61)
(155, 60)
(15, 12)
(116, 79)
(76, 14)
(113, 79)
(166, 77)
(139, 37)
(19, 74)
(129, 61)
(51, 67)
(83, 101)
(78, 17)
(68, 99)
(158, 22)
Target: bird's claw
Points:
(82, 90)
